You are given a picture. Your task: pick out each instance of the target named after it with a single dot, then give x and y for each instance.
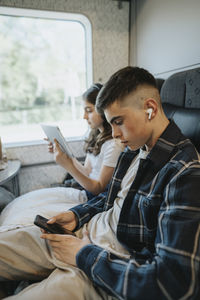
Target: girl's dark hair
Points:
(96, 138)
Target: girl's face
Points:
(93, 118)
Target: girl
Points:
(102, 155)
(102, 150)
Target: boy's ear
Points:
(149, 112)
(150, 106)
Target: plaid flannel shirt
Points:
(159, 224)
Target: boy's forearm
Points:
(84, 212)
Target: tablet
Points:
(53, 132)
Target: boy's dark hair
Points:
(96, 138)
(122, 83)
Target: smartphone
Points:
(51, 228)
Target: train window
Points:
(46, 65)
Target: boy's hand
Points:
(65, 247)
(67, 220)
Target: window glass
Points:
(45, 61)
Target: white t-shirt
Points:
(51, 201)
(108, 156)
(103, 226)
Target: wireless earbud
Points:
(149, 111)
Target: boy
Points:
(143, 238)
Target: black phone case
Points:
(51, 228)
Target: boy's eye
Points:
(118, 122)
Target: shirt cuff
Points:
(86, 258)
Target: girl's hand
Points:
(50, 146)
(61, 158)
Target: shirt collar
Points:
(166, 145)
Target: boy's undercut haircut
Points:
(122, 83)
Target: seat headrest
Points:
(180, 96)
(182, 89)
(159, 83)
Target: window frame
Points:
(54, 15)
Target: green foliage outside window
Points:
(38, 60)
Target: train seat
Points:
(180, 95)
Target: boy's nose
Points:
(116, 133)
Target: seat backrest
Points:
(180, 95)
(159, 83)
